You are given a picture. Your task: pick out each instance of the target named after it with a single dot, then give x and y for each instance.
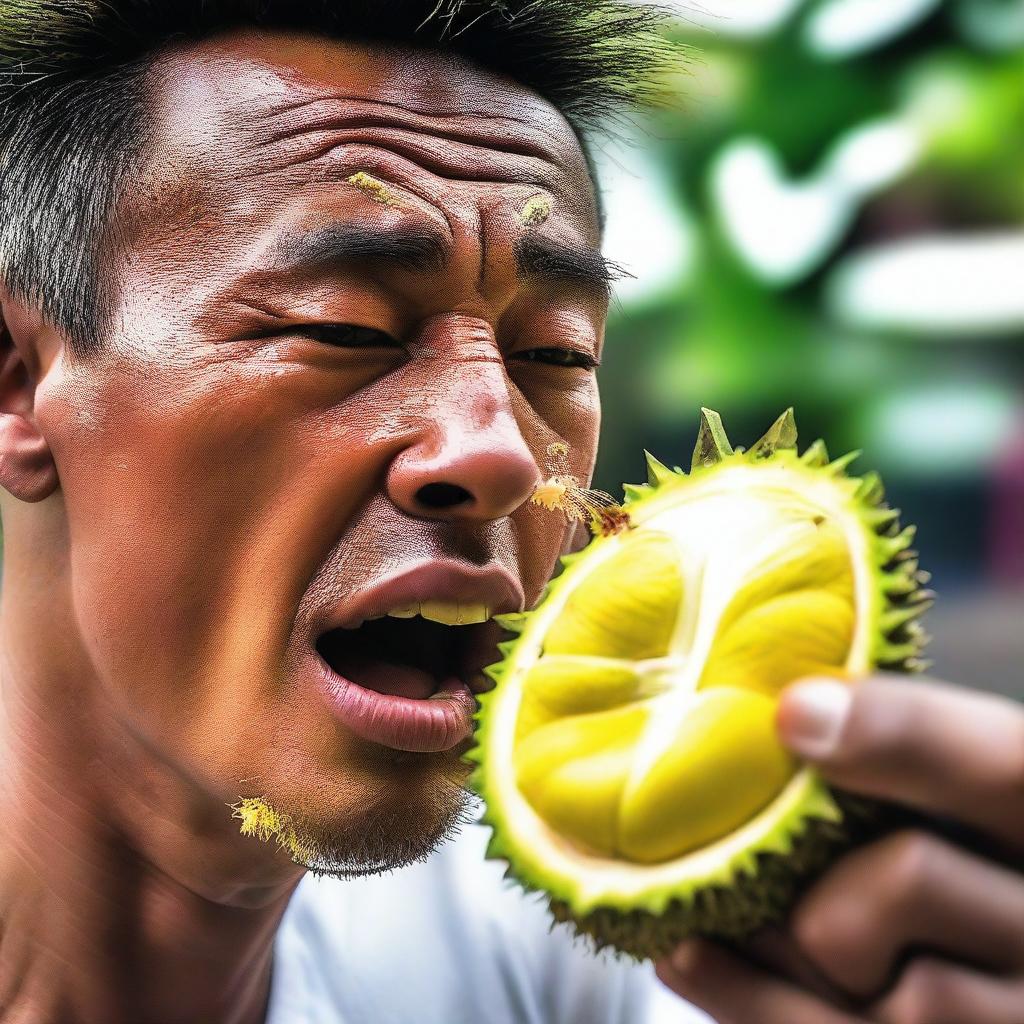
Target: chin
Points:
(393, 809)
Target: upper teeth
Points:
(449, 613)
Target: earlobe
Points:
(27, 469)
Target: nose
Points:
(469, 461)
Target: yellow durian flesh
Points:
(646, 728)
(565, 685)
(627, 607)
(573, 772)
(724, 766)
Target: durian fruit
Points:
(627, 757)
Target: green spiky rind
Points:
(712, 445)
(763, 879)
(756, 886)
(781, 435)
(658, 474)
(752, 899)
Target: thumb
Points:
(927, 745)
(813, 718)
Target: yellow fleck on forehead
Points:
(536, 211)
(373, 187)
(558, 450)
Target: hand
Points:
(912, 929)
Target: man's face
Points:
(322, 400)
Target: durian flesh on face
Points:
(628, 756)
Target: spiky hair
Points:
(71, 98)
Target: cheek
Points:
(571, 415)
(560, 417)
(199, 507)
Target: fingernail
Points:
(813, 716)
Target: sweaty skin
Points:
(189, 506)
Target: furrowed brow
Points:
(552, 260)
(415, 249)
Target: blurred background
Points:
(829, 214)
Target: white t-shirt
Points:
(449, 942)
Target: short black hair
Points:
(72, 103)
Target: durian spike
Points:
(657, 472)
(870, 489)
(893, 620)
(712, 443)
(781, 434)
(634, 492)
(816, 455)
(840, 465)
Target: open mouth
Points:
(400, 663)
(416, 652)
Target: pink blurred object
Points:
(1007, 552)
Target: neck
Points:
(126, 895)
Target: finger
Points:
(778, 952)
(933, 992)
(734, 992)
(931, 746)
(909, 889)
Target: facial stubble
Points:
(395, 811)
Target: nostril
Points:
(439, 496)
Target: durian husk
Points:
(759, 885)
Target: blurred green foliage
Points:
(794, 166)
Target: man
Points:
(296, 297)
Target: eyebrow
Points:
(406, 247)
(549, 259)
(426, 251)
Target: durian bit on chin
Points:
(261, 821)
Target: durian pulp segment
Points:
(725, 535)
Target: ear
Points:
(27, 469)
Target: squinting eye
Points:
(348, 336)
(559, 357)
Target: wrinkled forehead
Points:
(246, 105)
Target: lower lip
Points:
(441, 722)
